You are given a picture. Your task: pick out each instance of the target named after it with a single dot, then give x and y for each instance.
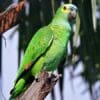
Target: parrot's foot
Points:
(53, 77)
(37, 79)
(50, 76)
(57, 76)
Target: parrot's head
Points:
(67, 11)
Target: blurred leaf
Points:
(53, 7)
(93, 5)
(76, 34)
(70, 1)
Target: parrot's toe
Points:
(53, 77)
(37, 80)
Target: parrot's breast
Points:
(55, 54)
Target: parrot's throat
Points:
(61, 29)
(64, 23)
(61, 34)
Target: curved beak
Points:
(73, 13)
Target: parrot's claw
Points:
(37, 79)
(55, 77)
(51, 77)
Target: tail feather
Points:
(12, 94)
(20, 87)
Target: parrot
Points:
(46, 49)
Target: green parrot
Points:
(46, 50)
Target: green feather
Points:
(37, 46)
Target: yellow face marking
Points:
(65, 9)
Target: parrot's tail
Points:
(18, 88)
(21, 85)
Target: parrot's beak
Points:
(72, 14)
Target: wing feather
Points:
(37, 47)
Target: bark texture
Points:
(11, 16)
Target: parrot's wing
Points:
(37, 47)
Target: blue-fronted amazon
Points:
(46, 49)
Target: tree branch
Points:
(11, 16)
(39, 90)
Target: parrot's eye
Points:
(65, 8)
